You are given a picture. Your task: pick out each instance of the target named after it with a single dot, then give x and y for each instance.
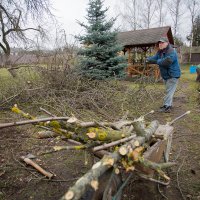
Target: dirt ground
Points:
(185, 176)
(21, 182)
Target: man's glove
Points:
(151, 61)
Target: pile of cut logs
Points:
(124, 145)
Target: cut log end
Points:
(109, 161)
(130, 168)
(94, 184)
(123, 151)
(136, 143)
(69, 195)
(117, 171)
(91, 135)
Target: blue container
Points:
(193, 69)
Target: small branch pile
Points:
(130, 139)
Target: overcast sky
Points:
(68, 11)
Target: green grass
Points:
(5, 78)
(186, 75)
(4, 74)
(8, 83)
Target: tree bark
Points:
(105, 146)
(5, 125)
(106, 134)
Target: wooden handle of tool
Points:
(36, 166)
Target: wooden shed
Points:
(140, 43)
(185, 55)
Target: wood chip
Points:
(72, 120)
(57, 148)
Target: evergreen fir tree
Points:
(100, 59)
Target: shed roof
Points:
(144, 37)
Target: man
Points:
(167, 60)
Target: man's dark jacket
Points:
(167, 60)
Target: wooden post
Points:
(129, 56)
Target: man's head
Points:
(163, 42)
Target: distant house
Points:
(195, 55)
(16, 51)
(25, 59)
(20, 57)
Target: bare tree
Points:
(194, 10)
(14, 18)
(134, 13)
(137, 13)
(176, 11)
(148, 9)
(160, 4)
(129, 12)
